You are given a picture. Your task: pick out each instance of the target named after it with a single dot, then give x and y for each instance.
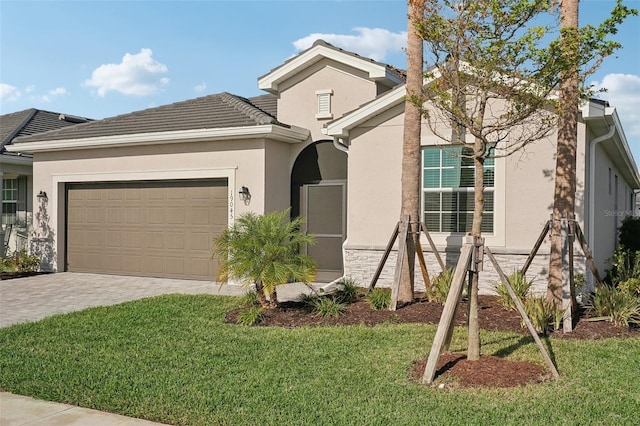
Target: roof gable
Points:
(377, 71)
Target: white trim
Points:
(271, 131)
(323, 97)
(376, 71)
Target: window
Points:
(9, 201)
(447, 182)
(324, 103)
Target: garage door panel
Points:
(161, 229)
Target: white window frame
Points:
(9, 185)
(324, 103)
(457, 191)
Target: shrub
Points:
(308, 299)
(540, 312)
(440, 285)
(20, 262)
(620, 307)
(379, 298)
(250, 298)
(328, 307)
(625, 264)
(349, 291)
(629, 231)
(251, 316)
(520, 286)
(631, 286)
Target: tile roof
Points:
(32, 121)
(207, 112)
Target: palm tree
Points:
(565, 174)
(264, 250)
(410, 179)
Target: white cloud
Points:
(58, 91)
(200, 87)
(623, 93)
(374, 43)
(9, 92)
(137, 74)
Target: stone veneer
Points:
(361, 264)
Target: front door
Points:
(323, 209)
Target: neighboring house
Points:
(16, 169)
(145, 193)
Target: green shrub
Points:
(379, 298)
(440, 285)
(611, 303)
(540, 312)
(520, 286)
(348, 292)
(251, 316)
(21, 262)
(250, 298)
(625, 264)
(328, 307)
(631, 286)
(628, 232)
(308, 299)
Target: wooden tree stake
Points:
(448, 313)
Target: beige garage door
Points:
(158, 229)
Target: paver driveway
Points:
(33, 298)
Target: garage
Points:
(146, 228)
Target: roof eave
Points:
(376, 71)
(592, 111)
(271, 131)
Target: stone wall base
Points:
(361, 264)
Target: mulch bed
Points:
(12, 275)
(454, 369)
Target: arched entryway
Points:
(319, 195)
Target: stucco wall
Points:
(297, 103)
(241, 162)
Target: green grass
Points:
(173, 359)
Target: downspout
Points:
(340, 145)
(592, 180)
(332, 286)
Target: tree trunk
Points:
(565, 173)
(262, 298)
(473, 351)
(410, 204)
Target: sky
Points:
(98, 59)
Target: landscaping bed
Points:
(489, 371)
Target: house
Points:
(145, 193)
(16, 181)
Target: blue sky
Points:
(103, 58)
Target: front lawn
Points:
(173, 359)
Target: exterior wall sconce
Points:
(245, 195)
(42, 195)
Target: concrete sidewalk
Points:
(16, 410)
(34, 298)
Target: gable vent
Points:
(324, 103)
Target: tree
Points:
(493, 78)
(581, 50)
(264, 250)
(489, 91)
(410, 180)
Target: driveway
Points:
(33, 298)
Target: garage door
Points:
(158, 229)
